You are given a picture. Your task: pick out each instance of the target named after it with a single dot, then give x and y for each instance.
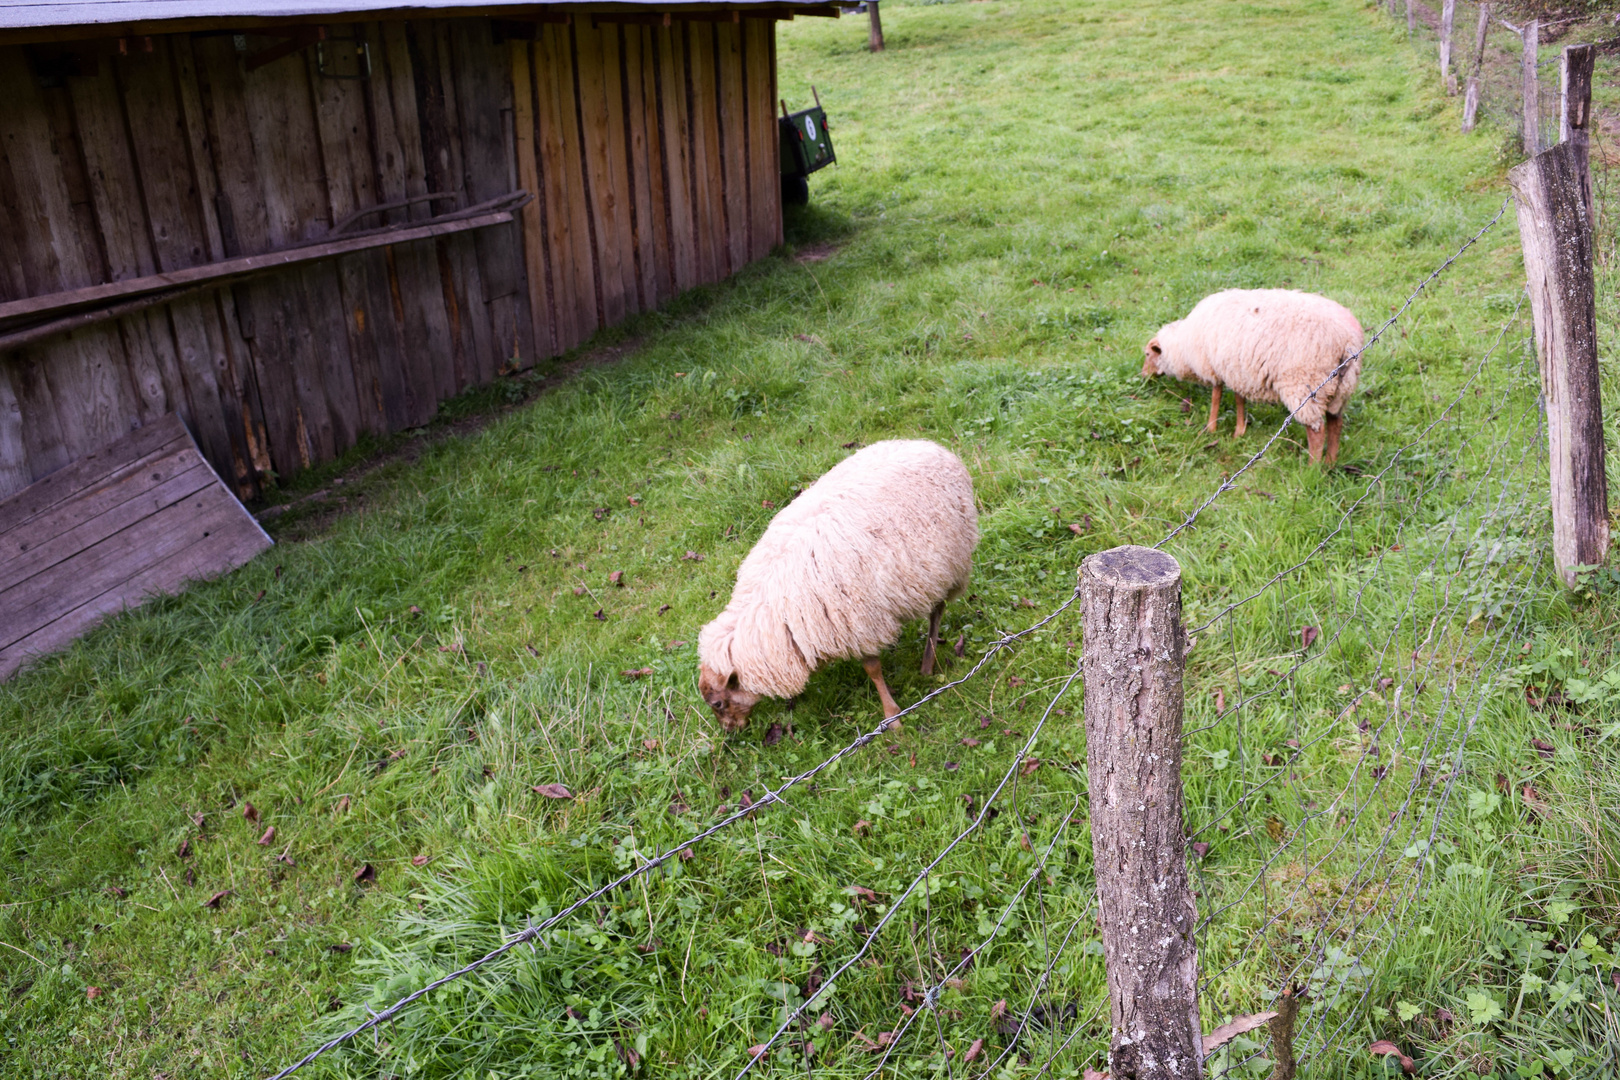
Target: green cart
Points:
(806, 147)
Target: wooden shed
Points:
(296, 222)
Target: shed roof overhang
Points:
(23, 21)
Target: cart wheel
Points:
(795, 191)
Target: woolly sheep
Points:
(1268, 345)
(884, 537)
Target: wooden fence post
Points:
(1556, 232)
(1532, 89)
(1575, 65)
(874, 39)
(1411, 19)
(1471, 95)
(1448, 15)
(1133, 655)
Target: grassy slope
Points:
(1025, 192)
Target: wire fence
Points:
(1333, 758)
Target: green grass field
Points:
(1025, 192)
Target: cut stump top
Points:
(1131, 566)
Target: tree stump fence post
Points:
(1448, 15)
(1531, 88)
(1555, 228)
(1471, 94)
(1575, 66)
(1133, 657)
(874, 37)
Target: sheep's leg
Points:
(874, 671)
(933, 637)
(1214, 407)
(1314, 439)
(1335, 430)
(1243, 419)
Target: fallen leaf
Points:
(599, 615)
(1385, 1048)
(691, 556)
(663, 608)
(649, 744)
(1307, 635)
(92, 992)
(1093, 1074)
(1274, 828)
(861, 892)
(250, 812)
(1232, 1029)
(849, 445)
(686, 854)
(637, 673)
(975, 1048)
(284, 857)
(616, 578)
(600, 512)
(1532, 799)
(1029, 766)
(1014, 680)
(960, 648)
(1200, 848)
(343, 804)
(767, 504)
(756, 1050)
(1023, 841)
(116, 891)
(552, 791)
(1545, 749)
(862, 828)
(197, 819)
(951, 766)
(365, 875)
(268, 837)
(998, 1010)
(213, 901)
(913, 760)
(774, 735)
(184, 850)
(984, 722)
(340, 947)
(1220, 700)
(970, 742)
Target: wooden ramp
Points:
(134, 519)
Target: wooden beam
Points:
(216, 273)
(297, 42)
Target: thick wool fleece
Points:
(1268, 345)
(880, 539)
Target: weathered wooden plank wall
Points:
(650, 150)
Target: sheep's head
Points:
(1151, 354)
(730, 702)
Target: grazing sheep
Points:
(886, 536)
(1268, 345)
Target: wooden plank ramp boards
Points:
(138, 518)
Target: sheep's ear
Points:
(1154, 345)
(731, 683)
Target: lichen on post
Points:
(1133, 655)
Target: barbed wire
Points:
(1009, 779)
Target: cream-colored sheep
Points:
(884, 537)
(1268, 345)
